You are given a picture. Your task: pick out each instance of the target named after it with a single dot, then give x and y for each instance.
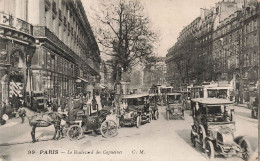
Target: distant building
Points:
(222, 44)
(155, 73)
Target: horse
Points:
(42, 120)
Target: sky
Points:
(169, 17)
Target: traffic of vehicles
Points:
(209, 105)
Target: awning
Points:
(81, 79)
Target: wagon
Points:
(174, 106)
(213, 127)
(83, 121)
(137, 110)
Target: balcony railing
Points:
(54, 9)
(60, 15)
(15, 23)
(43, 32)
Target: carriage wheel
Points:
(210, 152)
(138, 121)
(108, 128)
(245, 152)
(74, 132)
(192, 138)
(156, 115)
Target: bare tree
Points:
(124, 33)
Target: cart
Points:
(82, 121)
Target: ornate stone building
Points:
(226, 46)
(47, 47)
(154, 74)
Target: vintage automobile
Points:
(137, 110)
(164, 90)
(213, 127)
(174, 106)
(153, 105)
(82, 121)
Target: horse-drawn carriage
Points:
(83, 121)
(137, 110)
(213, 127)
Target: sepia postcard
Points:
(129, 80)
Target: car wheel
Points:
(75, 132)
(149, 118)
(138, 122)
(167, 115)
(156, 115)
(245, 152)
(210, 152)
(192, 139)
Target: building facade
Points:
(47, 47)
(154, 74)
(226, 46)
(180, 58)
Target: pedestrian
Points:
(63, 103)
(35, 104)
(102, 97)
(94, 102)
(22, 113)
(256, 102)
(3, 113)
(13, 101)
(54, 106)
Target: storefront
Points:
(14, 59)
(53, 75)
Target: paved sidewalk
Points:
(241, 105)
(243, 112)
